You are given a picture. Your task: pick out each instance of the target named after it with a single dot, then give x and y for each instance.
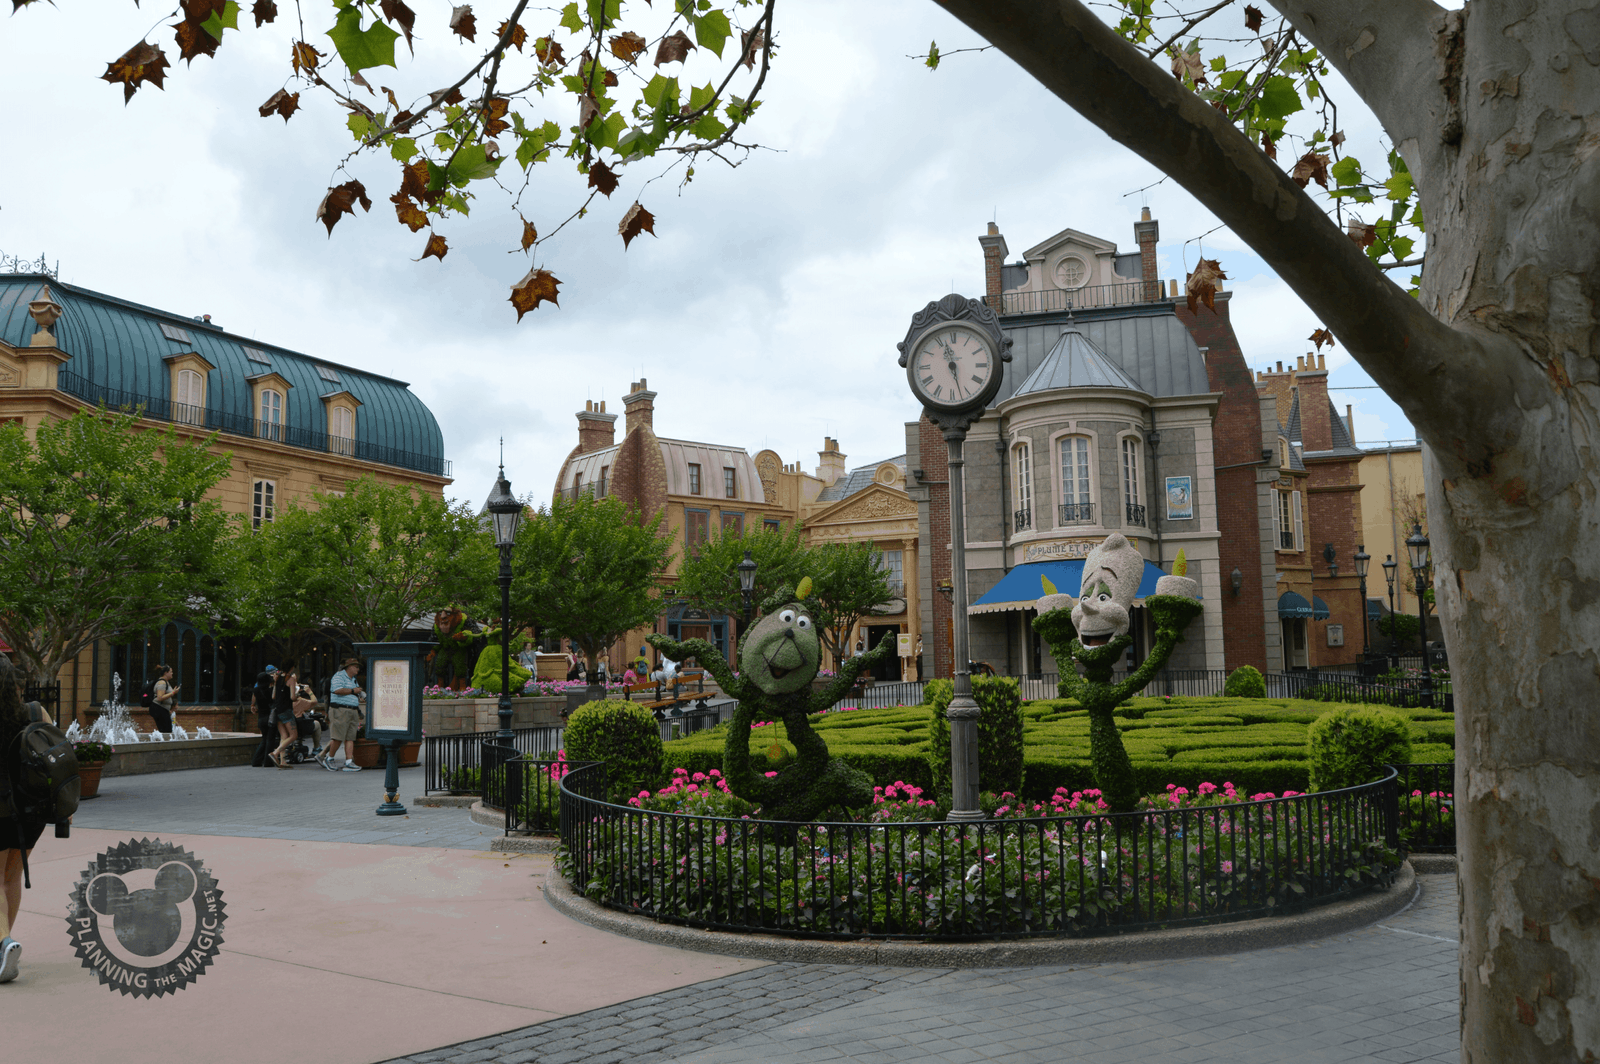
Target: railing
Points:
(1068, 876)
(537, 784)
(1061, 299)
(1135, 514)
(1077, 513)
(1427, 808)
(453, 763)
(571, 493)
(47, 695)
(883, 695)
(1286, 540)
(1022, 520)
(162, 409)
(1318, 685)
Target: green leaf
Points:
(444, 141)
(362, 48)
(1416, 218)
(1278, 98)
(229, 19)
(604, 13)
(605, 136)
(711, 30)
(708, 127)
(404, 149)
(1400, 247)
(1346, 171)
(661, 91)
(472, 163)
(933, 55)
(701, 95)
(359, 125)
(634, 142)
(570, 18)
(1399, 186)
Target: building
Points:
(1393, 499)
(292, 424)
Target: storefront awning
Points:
(1292, 605)
(1021, 588)
(1319, 609)
(1374, 609)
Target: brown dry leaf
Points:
(462, 21)
(281, 103)
(408, 213)
(397, 12)
(1187, 65)
(1252, 18)
(194, 40)
(587, 110)
(530, 235)
(753, 41)
(1360, 232)
(341, 199)
(202, 10)
(1320, 337)
(451, 95)
(414, 181)
(402, 119)
(519, 36)
(636, 221)
(536, 287)
(1201, 285)
(674, 49)
(610, 80)
(139, 64)
(1269, 146)
(602, 178)
(627, 46)
(549, 52)
(436, 247)
(387, 91)
(1337, 138)
(264, 11)
(494, 115)
(1311, 167)
(304, 57)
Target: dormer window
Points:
(172, 332)
(694, 478)
(270, 414)
(341, 430)
(189, 398)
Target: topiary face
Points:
(782, 652)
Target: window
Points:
(189, 398)
(694, 478)
(1285, 522)
(1022, 467)
(255, 354)
(577, 484)
(893, 563)
(605, 475)
(771, 524)
(730, 483)
(1283, 453)
(1130, 481)
(696, 529)
(264, 496)
(341, 430)
(1077, 506)
(732, 524)
(172, 332)
(271, 414)
(1299, 544)
(327, 374)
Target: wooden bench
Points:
(671, 695)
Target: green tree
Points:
(104, 530)
(275, 596)
(589, 569)
(847, 583)
(709, 576)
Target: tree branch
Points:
(1082, 60)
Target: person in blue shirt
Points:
(344, 717)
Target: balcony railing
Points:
(1077, 513)
(1286, 541)
(162, 409)
(1135, 514)
(1022, 520)
(572, 492)
(1059, 299)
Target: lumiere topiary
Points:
(778, 660)
(1092, 631)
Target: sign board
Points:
(905, 644)
(1072, 548)
(393, 681)
(1180, 499)
(1336, 635)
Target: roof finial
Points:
(502, 456)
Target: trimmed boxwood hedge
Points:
(1255, 744)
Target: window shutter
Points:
(1299, 535)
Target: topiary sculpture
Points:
(1092, 631)
(778, 660)
(486, 673)
(1245, 682)
(623, 735)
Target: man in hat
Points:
(261, 697)
(344, 717)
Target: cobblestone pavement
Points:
(1383, 995)
(304, 803)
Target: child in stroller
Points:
(308, 722)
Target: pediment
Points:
(1065, 238)
(875, 503)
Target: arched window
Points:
(341, 430)
(1134, 509)
(262, 503)
(189, 398)
(1022, 470)
(271, 416)
(1077, 504)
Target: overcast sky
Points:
(764, 313)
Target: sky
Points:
(764, 312)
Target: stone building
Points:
(292, 424)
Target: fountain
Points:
(138, 752)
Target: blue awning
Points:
(1291, 605)
(1319, 609)
(1374, 609)
(1021, 588)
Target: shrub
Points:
(1000, 725)
(1351, 745)
(486, 674)
(1245, 682)
(1401, 627)
(623, 735)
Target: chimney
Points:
(596, 429)
(640, 406)
(1316, 413)
(1350, 422)
(830, 461)
(994, 257)
(1147, 231)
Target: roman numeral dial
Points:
(952, 366)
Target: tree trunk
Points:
(1496, 110)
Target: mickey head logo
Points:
(150, 909)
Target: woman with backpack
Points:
(286, 683)
(163, 700)
(18, 835)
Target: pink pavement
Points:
(332, 952)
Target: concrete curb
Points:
(445, 801)
(489, 818)
(1434, 864)
(1237, 937)
(525, 844)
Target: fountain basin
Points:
(222, 749)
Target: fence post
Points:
(1391, 808)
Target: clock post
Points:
(954, 354)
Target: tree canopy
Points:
(708, 576)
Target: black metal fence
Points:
(535, 784)
(453, 764)
(1427, 808)
(1054, 876)
(47, 695)
(882, 695)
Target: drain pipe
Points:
(1153, 437)
(1005, 537)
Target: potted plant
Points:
(92, 758)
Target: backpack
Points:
(45, 787)
(148, 694)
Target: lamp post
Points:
(1417, 547)
(1389, 566)
(747, 586)
(506, 512)
(1363, 559)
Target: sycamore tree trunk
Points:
(1496, 110)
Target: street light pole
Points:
(1417, 546)
(1389, 566)
(1363, 559)
(506, 513)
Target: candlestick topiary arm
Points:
(849, 671)
(1055, 628)
(1172, 614)
(704, 652)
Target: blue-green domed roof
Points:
(117, 348)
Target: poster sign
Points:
(1180, 499)
(391, 686)
(393, 682)
(905, 644)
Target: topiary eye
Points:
(804, 621)
(787, 616)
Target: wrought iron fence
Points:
(1008, 878)
(1317, 685)
(1427, 808)
(1135, 514)
(1021, 520)
(1077, 513)
(1060, 299)
(882, 695)
(47, 695)
(537, 784)
(163, 409)
(453, 764)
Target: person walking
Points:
(283, 691)
(17, 835)
(164, 701)
(344, 717)
(261, 698)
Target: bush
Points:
(486, 674)
(623, 735)
(1245, 682)
(1348, 746)
(1000, 743)
(1401, 627)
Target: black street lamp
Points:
(747, 586)
(506, 512)
(1417, 547)
(1363, 559)
(1389, 566)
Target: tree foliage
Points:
(847, 581)
(708, 576)
(104, 530)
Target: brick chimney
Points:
(597, 429)
(830, 461)
(994, 257)
(640, 406)
(1316, 415)
(1147, 231)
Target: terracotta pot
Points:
(368, 753)
(89, 779)
(410, 754)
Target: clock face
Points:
(952, 366)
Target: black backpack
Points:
(46, 785)
(148, 694)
